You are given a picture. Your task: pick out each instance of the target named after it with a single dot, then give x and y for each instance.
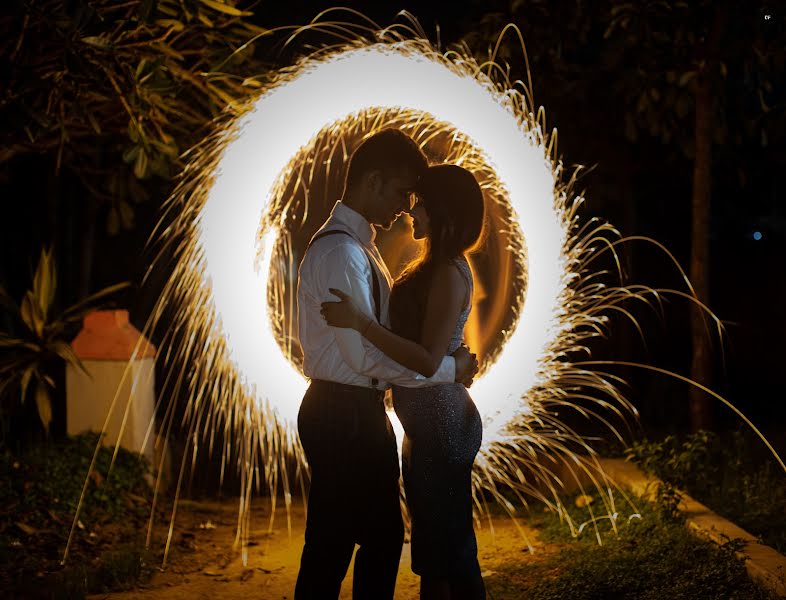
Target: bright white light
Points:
(285, 119)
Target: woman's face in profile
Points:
(420, 221)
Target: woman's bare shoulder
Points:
(448, 276)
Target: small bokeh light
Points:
(757, 235)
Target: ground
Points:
(202, 564)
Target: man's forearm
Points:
(366, 359)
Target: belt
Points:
(358, 391)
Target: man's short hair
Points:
(389, 150)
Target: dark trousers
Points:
(354, 497)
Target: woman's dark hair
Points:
(454, 203)
(387, 150)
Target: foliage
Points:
(53, 476)
(730, 474)
(39, 492)
(651, 558)
(118, 89)
(704, 78)
(735, 46)
(30, 357)
(641, 61)
(667, 499)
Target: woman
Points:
(429, 306)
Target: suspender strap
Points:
(374, 277)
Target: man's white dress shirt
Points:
(343, 355)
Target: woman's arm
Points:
(345, 266)
(443, 307)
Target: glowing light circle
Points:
(283, 121)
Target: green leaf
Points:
(94, 122)
(171, 23)
(6, 341)
(25, 381)
(26, 529)
(159, 165)
(44, 404)
(168, 147)
(76, 311)
(130, 154)
(45, 284)
(225, 8)
(140, 68)
(686, 77)
(616, 10)
(251, 82)
(55, 329)
(140, 164)
(205, 19)
(97, 42)
(133, 131)
(26, 312)
(66, 352)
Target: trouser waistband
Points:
(345, 389)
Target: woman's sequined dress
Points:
(443, 435)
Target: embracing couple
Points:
(361, 333)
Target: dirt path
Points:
(203, 566)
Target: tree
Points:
(691, 75)
(697, 65)
(114, 91)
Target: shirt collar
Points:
(354, 222)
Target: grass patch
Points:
(39, 492)
(733, 474)
(650, 558)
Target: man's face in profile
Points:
(394, 196)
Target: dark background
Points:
(642, 186)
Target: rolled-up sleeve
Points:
(345, 267)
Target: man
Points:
(346, 435)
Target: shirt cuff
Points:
(446, 372)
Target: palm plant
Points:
(28, 359)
